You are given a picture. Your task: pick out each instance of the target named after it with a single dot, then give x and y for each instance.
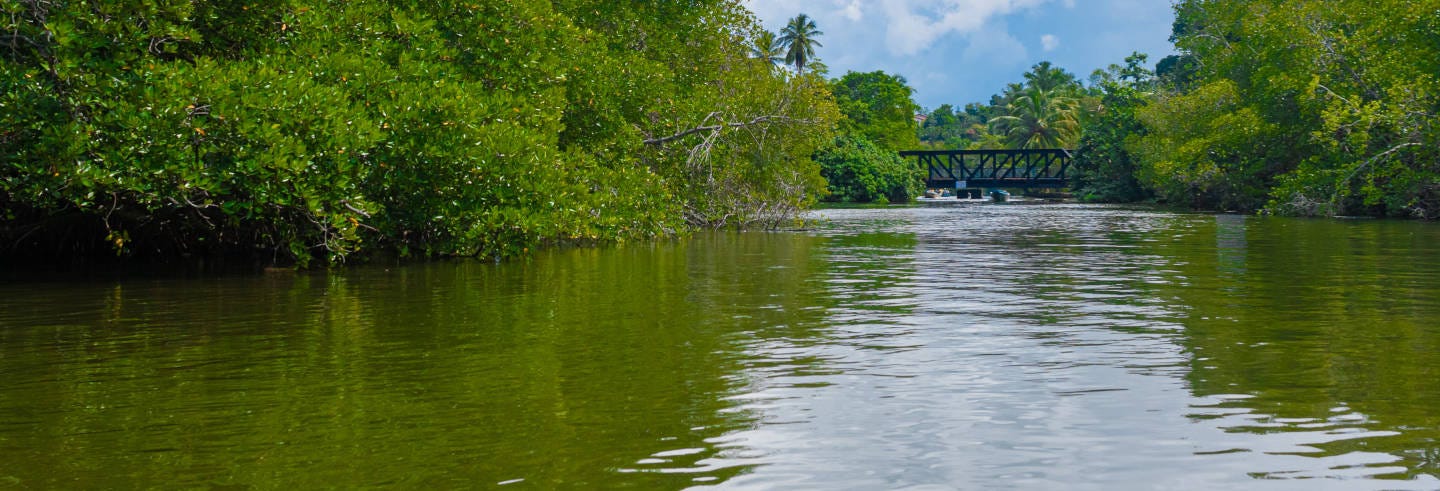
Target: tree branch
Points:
(347, 206)
(717, 127)
(1372, 160)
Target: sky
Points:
(961, 51)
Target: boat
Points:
(999, 196)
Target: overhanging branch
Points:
(717, 127)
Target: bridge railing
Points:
(1032, 168)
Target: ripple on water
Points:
(942, 347)
(1035, 347)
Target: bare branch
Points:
(717, 127)
(347, 206)
(1372, 160)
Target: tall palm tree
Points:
(799, 37)
(1050, 78)
(768, 48)
(1039, 118)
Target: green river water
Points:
(964, 346)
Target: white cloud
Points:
(909, 26)
(994, 46)
(915, 25)
(978, 45)
(826, 10)
(852, 11)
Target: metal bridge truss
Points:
(1026, 169)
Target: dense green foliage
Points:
(1038, 118)
(1299, 107)
(946, 127)
(878, 107)
(1291, 107)
(305, 128)
(863, 165)
(862, 172)
(768, 48)
(1046, 111)
(1104, 169)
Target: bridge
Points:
(1015, 169)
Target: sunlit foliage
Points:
(861, 172)
(302, 129)
(1301, 107)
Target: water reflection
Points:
(1323, 349)
(969, 347)
(1230, 245)
(1080, 348)
(580, 368)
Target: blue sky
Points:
(960, 51)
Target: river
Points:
(964, 346)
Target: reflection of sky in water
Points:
(1024, 347)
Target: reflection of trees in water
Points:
(1330, 326)
(1230, 244)
(858, 308)
(567, 369)
(1060, 274)
(871, 273)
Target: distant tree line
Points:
(1044, 111)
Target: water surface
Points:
(935, 347)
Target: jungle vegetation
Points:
(1043, 111)
(303, 130)
(861, 164)
(1299, 108)
(1289, 107)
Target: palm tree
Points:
(1050, 78)
(799, 37)
(768, 48)
(1038, 118)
